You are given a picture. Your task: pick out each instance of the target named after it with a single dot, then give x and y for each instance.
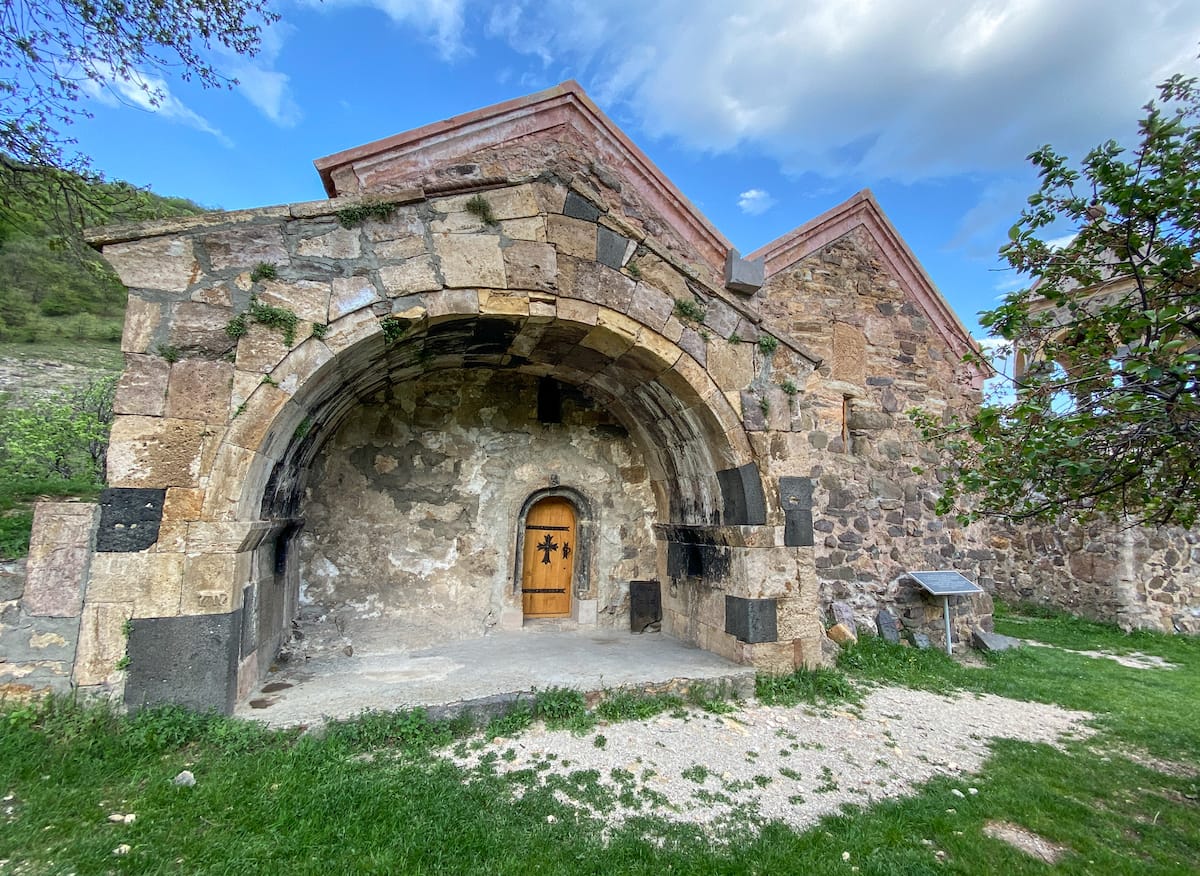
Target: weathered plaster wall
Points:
(412, 509)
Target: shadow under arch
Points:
(694, 446)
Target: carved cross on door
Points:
(546, 546)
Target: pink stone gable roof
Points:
(374, 165)
(863, 211)
(564, 104)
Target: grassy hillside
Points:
(52, 287)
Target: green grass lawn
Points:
(268, 802)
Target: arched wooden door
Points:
(548, 558)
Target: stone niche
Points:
(412, 511)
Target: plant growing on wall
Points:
(279, 318)
(1107, 421)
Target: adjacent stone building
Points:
(506, 373)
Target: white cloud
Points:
(440, 21)
(864, 89)
(755, 202)
(146, 92)
(267, 89)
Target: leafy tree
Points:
(1105, 418)
(63, 438)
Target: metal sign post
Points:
(945, 584)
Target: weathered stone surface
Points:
(350, 294)
(302, 363)
(211, 584)
(920, 640)
(887, 626)
(841, 634)
(418, 274)
(843, 614)
(351, 329)
(202, 673)
(154, 452)
(308, 299)
(59, 549)
(531, 266)
(651, 306)
(452, 302)
(751, 620)
(572, 237)
(259, 351)
(101, 643)
(250, 426)
(148, 583)
(470, 260)
(182, 503)
(849, 353)
(341, 243)
(744, 276)
(129, 519)
(985, 641)
(142, 319)
(199, 390)
(730, 365)
(164, 263)
(611, 248)
(404, 248)
(141, 389)
(199, 329)
(244, 247)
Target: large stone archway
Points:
(286, 363)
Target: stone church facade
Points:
(503, 374)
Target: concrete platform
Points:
(485, 674)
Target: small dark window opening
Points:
(695, 561)
(549, 401)
(846, 423)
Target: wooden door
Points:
(548, 558)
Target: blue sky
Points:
(764, 116)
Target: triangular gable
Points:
(393, 160)
(862, 210)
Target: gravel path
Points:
(771, 763)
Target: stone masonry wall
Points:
(413, 508)
(1134, 577)
(872, 495)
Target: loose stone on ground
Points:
(772, 763)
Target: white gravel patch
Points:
(771, 763)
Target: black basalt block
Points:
(129, 518)
(187, 661)
(610, 247)
(580, 208)
(795, 495)
(751, 620)
(742, 496)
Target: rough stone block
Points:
(198, 389)
(154, 452)
(202, 671)
(842, 634)
(142, 389)
(887, 626)
(751, 620)
(301, 364)
(166, 263)
(986, 641)
(212, 583)
(418, 274)
(753, 416)
(843, 614)
(259, 351)
(578, 207)
(745, 276)
(308, 299)
(849, 354)
(730, 365)
(150, 583)
(101, 644)
(12, 580)
(470, 260)
(531, 228)
(341, 243)
(742, 496)
(142, 319)
(249, 428)
(227, 482)
(199, 329)
(920, 640)
(531, 266)
(59, 550)
(452, 302)
(350, 294)
(404, 248)
(41, 640)
(572, 237)
(129, 518)
(612, 248)
(350, 330)
(651, 306)
(586, 612)
(245, 247)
